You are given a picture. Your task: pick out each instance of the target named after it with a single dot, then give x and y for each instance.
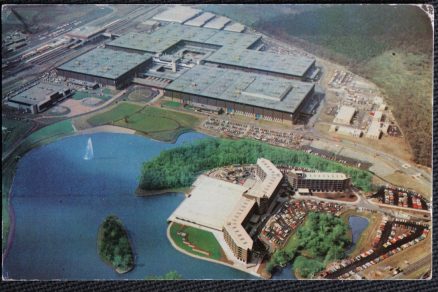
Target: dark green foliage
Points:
(321, 240)
(307, 267)
(179, 167)
(323, 236)
(172, 275)
(113, 244)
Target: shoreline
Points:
(204, 258)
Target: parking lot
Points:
(390, 243)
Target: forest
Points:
(320, 240)
(114, 246)
(179, 167)
(391, 45)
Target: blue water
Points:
(357, 225)
(60, 200)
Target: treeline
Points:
(180, 166)
(321, 240)
(359, 32)
(114, 246)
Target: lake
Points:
(60, 199)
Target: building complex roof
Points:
(105, 63)
(233, 48)
(218, 22)
(246, 88)
(168, 35)
(178, 14)
(201, 19)
(285, 64)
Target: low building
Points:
(235, 27)
(39, 97)
(200, 20)
(374, 131)
(345, 115)
(348, 131)
(179, 14)
(378, 115)
(86, 33)
(319, 181)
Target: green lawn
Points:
(79, 95)
(15, 130)
(119, 112)
(157, 123)
(171, 103)
(54, 130)
(204, 240)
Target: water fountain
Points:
(89, 154)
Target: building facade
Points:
(319, 181)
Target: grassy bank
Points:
(201, 240)
(114, 246)
(154, 122)
(179, 167)
(13, 132)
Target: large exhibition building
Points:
(204, 66)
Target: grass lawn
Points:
(119, 112)
(54, 130)
(15, 129)
(171, 103)
(157, 123)
(79, 95)
(203, 240)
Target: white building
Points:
(374, 131)
(345, 115)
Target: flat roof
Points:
(237, 27)
(106, 63)
(178, 14)
(374, 129)
(272, 62)
(210, 202)
(170, 34)
(85, 31)
(218, 22)
(266, 187)
(345, 113)
(234, 223)
(246, 88)
(37, 94)
(200, 20)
